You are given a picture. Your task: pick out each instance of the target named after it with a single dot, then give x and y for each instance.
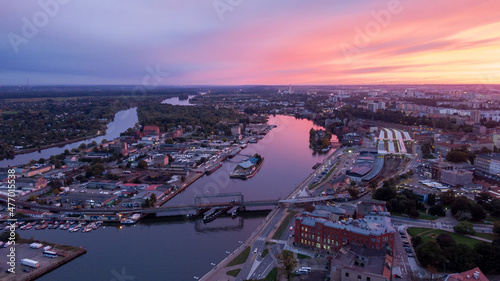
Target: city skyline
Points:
(249, 42)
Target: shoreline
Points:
(59, 144)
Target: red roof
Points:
(152, 187)
(473, 274)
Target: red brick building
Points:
(373, 231)
(151, 130)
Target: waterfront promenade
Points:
(258, 238)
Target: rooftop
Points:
(364, 259)
(490, 156)
(369, 225)
(473, 274)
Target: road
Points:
(256, 266)
(259, 244)
(448, 225)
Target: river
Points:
(166, 249)
(123, 120)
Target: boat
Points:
(198, 213)
(213, 167)
(253, 140)
(243, 146)
(127, 221)
(234, 214)
(316, 166)
(215, 214)
(234, 152)
(326, 149)
(247, 168)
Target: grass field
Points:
(241, 258)
(284, 225)
(489, 236)
(421, 216)
(424, 216)
(427, 233)
(302, 257)
(271, 276)
(264, 253)
(414, 231)
(233, 272)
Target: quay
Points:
(65, 254)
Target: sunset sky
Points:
(243, 42)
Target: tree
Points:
(437, 210)
(288, 263)
(461, 203)
(353, 192)
(5, 235)
(170, 158)
(142, 164)
(487, 256)
(448, 197)
(373, 185)
(153, 200)
(55, 184)
(457, 156)
(445, 241)
(416, 241)
(464, 215)
(68, 181)
(464, 227)
(496, 227)
(483, 198)
(460, 257)
(32, 197)
(385, 193)
(169, 141)
(426, 149)
(429, 254)
(431, 199)
(477, 212)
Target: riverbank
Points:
(59, 144)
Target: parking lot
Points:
(24, 251)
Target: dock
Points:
(25, 273)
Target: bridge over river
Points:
(207, 201)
